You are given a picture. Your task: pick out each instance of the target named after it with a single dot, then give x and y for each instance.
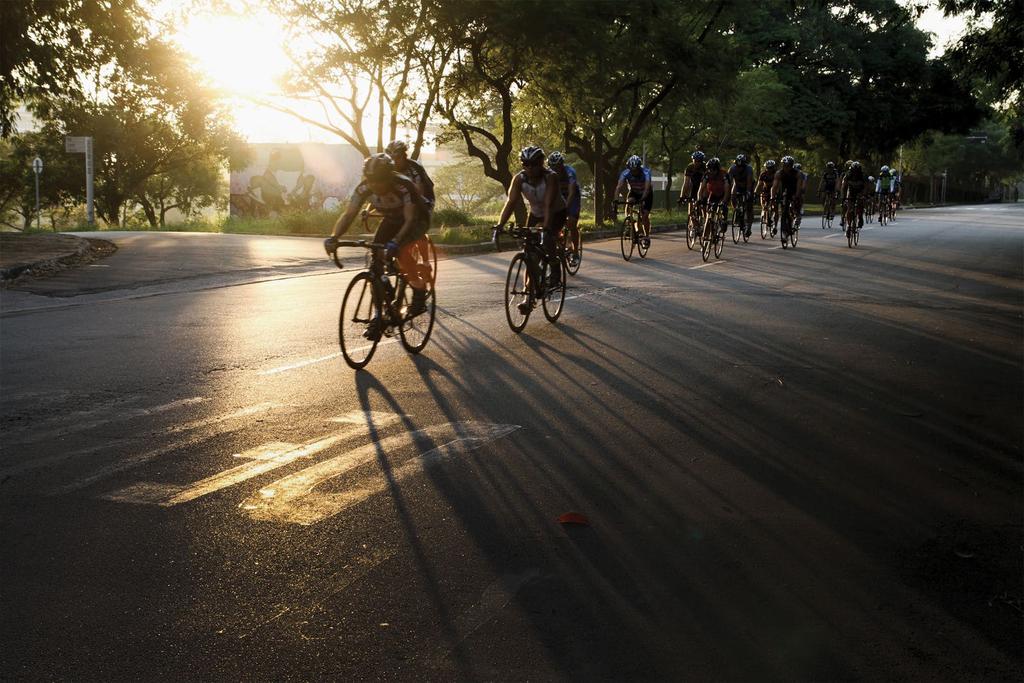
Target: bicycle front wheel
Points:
(706, 238)
(554, 297)
(518, 300)
(626, 239)
(642, 243)
(692, 231)
(765, 224)
(737, 227)
(574, 258)
(793, 236)
(417, 325)
(360, 321)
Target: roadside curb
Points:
(62, 256)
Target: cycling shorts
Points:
(829, 187)
(647, 202)
(391, 225)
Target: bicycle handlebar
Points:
(373, 246)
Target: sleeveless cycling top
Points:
(884, 183)
(390, 204)
(716, 183)
(534, 193)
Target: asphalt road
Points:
(796, 465)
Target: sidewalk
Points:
(39, 254)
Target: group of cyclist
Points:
(400, 191)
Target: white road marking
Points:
(262, 459)
(321, 359)
(594, 293)
(142, 458)
(705, 265)
(294, 498)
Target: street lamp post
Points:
(37, 167)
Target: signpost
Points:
(37, 166)
(83, 145)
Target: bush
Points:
(451, 217)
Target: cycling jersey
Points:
(743, 177)
(789, 179)
(392, 203)
(828, 179)
(534, 191)
(716, 184)
(565, 181)
(695, 171)
(416, 173)
(884, 183)
(767, 178)
(636, 183)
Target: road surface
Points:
(795, 465)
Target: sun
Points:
(241, 55)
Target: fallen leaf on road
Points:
(573, 518)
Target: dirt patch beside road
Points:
(23, 257)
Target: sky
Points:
(243, 55)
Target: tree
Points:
(47, 45)
(61, 184)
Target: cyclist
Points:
(827, 188)
(413, 170)
(798, 204)
(402, 227)
(637, 178)
(883, 188)
(853, 189)
(715, 188)
(897, 187)
(764, 186)
(787, 182)
(570, 189)
(692, 176)
(742, 176)
(538, 187)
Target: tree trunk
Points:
(147, 208)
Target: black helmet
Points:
(530, 155)
(697, 156)
(788, 160)
(634, 162)
(770, 163)
(556, 159)
(378, 167)
(397, 147)
(741, 159)
(714, 164)
(830, 165)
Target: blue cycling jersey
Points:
(637, 183)
(568, 181)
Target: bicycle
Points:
(571, 254)
(379, 302)
(853, 218)
(529, 276)
(740, 218)
(631, 235)
(428, 252)
(828, 211)
(883, 210)
(693, 223)
(768, 218)
(870, 208)
(712, 237)
(790, 224)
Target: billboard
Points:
(282, 178)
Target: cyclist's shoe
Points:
(645, 242)
(375, 329)
(747, 231)
(525, 308)
(418, 304)
(774, 232)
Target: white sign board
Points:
(75, 145)
(37, 165)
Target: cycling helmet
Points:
(531, 154)
(697, 156)
(885, 169)
(871, 178)
(378, 167)
(797, 166)
(851, 162)
(788, 160)
(556, 159)
(714, 164)
(634, 162)
(830, 165)
(397, 147)
(741, 159)
(770, 163)
(854, 164)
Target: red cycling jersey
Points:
(716, 183)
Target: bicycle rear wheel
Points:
(737, 227)
(359, 308)
(554, 297)
(626, 239)
(793, 236)
(517, 292)
(573, 258)
(856, 236)
(415, 330)
(692, 231)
